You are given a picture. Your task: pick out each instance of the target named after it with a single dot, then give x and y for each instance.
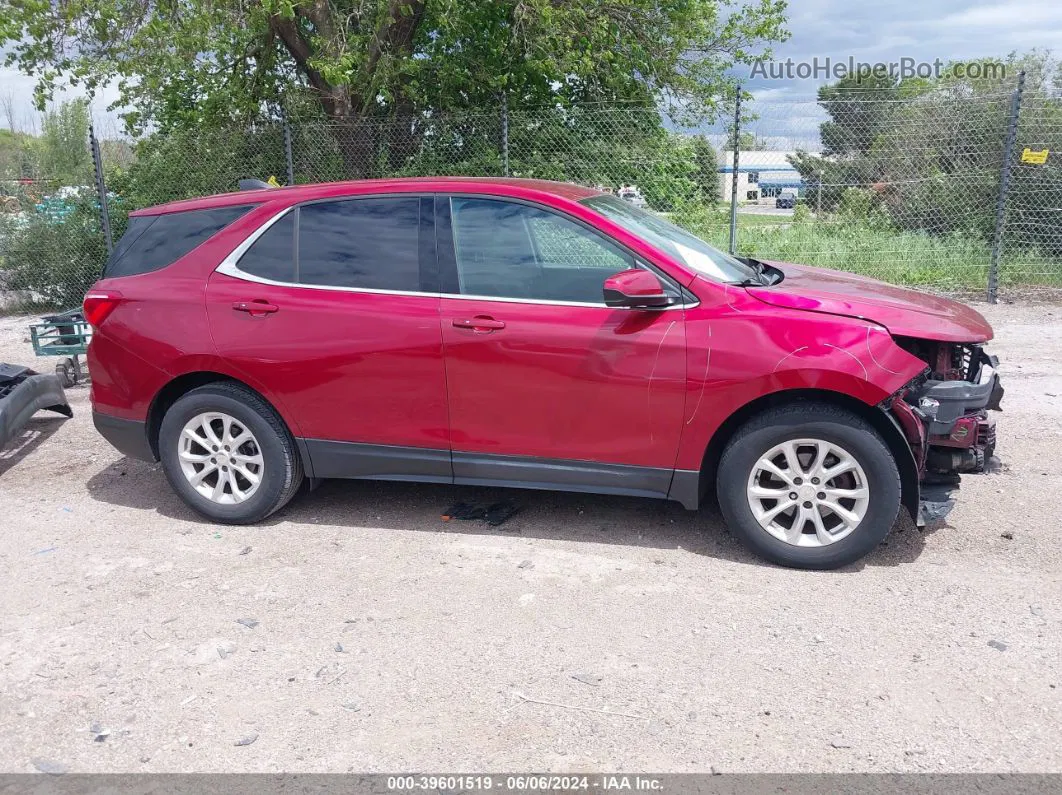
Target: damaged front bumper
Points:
(22, 394)
(944, 415)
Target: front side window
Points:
(507, 249)
(371, 243)
(152, 242)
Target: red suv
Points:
(530, 334)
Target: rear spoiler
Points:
(258, 184)
(253, 184)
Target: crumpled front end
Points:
(944, 414)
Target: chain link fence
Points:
(949, 190)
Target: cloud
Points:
(16, 93)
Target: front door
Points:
(548, 386)
(330, 311)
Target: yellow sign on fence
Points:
(1036, 158)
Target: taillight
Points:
(98, 305)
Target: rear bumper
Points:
(127, 436)
(22, 394)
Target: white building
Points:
(761, 175)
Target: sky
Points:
(881, 31)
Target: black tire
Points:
(815, 421)
(66, 373)
(283, 473)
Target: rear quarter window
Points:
(151, 242)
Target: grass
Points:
(953, 263)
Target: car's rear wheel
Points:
(809, 485)
(228, 455)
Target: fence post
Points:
(734, 174)
(505, 132)
(287, 152)
(1004, 187)
(101, 188)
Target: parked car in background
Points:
(632, 194)
(786, 199)
(531, 334)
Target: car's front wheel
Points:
(809, 485)
(228, 455)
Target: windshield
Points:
(677, 242)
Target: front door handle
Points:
(480, 323)
(255, 308)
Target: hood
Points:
(905, 313)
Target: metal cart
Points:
(66, 334)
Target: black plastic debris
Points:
(495, 514)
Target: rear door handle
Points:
(256, 307)
(481, 323)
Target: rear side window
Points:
(151, 242)
(272, 255)
(371, 243)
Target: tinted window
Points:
(154, 241)
(368, 243)
(272, 255)
(510, 250)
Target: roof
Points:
(322, 190)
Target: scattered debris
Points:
(501, 512)
(464, 511)
(250, 623)
(558, 704)
(527, 564)
(494, 514)
(996, 644)
(245, 551)
(588, 679)
(1007, 535)
(98, 732)
(250, 738)
(49, 766)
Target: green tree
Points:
(196, 63)
(706, 169)
(63, 147)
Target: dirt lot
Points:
(587, 633)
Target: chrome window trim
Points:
(230, 267)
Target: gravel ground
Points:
(356, 631)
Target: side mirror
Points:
(635, 289)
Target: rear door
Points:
(333, 311)
(548, 386)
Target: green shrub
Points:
(53, 258)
